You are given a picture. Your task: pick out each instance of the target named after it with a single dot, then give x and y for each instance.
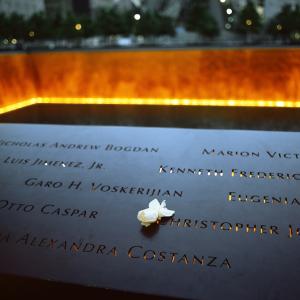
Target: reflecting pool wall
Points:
(235, 74)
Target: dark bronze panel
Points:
(69, 196)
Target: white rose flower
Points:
(155, 212)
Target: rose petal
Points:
(147, 215)
(154, 204)
(164, 212)
(146, 224)
(155, 212)
(163, 204)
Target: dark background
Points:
(252, 118)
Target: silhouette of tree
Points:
(197, 18)
(249, 21)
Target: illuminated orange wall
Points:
(17, 78)
(250, 74)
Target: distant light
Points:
(14, 41)
(31, 33)
(228, 11)
(227, 26)
(297, 36)
(248, 22)
(5, 41)
(222, 1)
(140, 39)
(260, 10)
(78, 26)
(279, 27)
(137, 17)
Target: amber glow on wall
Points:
(244, 77)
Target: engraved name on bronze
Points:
(289, 231)
(249, 154)
(262, 199)
(139, 252)
(71, 146)
(53, 163)
(48, 209)
(135, 252)
(236, 173)
(103, 188)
